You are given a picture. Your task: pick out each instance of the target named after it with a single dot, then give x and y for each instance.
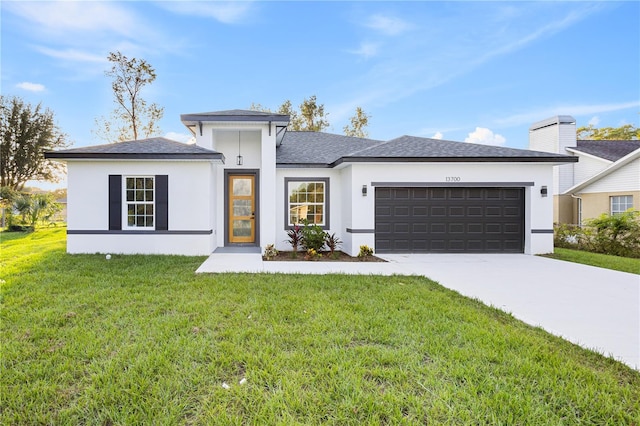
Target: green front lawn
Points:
(617, 263)
(144, 340)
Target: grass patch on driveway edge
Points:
(616, 263)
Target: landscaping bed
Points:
(338, 256)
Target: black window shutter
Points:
(115, 202)
(162, 202)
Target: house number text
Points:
(452, 179)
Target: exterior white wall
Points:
(336, 187)
(626, 178)
(346, 213)
(588, 166)
(538, 209)
(184, 245)
(189, 207)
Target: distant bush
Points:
(618, 235)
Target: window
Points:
(621, 203)
(139, 202)
(307, 199)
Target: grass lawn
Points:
(617, 263)
(144, 340)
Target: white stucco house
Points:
(606, 179)
(247, 180)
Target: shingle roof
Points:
(324, 149)
(152, 148)
(609, 150)
(319, 149)
(233, 115)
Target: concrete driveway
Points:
(596, 308)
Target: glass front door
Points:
(242, 209)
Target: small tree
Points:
(358, 124)
(312, 115)
(133, 117)
(27, 132)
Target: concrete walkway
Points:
(596, 308)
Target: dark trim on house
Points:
(453, 184)
(115, 202)
(134, 156)
(542, 231)
(302, 166)
(361, 231)
(256, 175)
(133, 232)
(545, 159)
(327, 198)
(234, 116)
(162, 202)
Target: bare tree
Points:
(132, 118)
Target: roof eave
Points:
(134, 156)
(302, 165)
(193, 119)
(551, 159)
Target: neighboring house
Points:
(606, 179)
(246, 181)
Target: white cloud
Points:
(73, 55)
(225, 12)
(420, 60)
(366, 50)
(595, 120)
(388, 25)
(437, 135)
(180, 137)
(80, 34)
(63, 18)
(574, 110)
(31, 87)
(484, 136)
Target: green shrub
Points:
(33, 208)
(313, 236)
(365, 252)
(617, 235)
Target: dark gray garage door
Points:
(449, 220)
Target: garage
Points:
(449, 220)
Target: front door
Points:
(242, 209)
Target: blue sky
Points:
(481, 72)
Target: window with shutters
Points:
(139, 202)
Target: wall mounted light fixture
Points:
(543, 191)
(364, 190)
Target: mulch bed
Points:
(287, 256)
